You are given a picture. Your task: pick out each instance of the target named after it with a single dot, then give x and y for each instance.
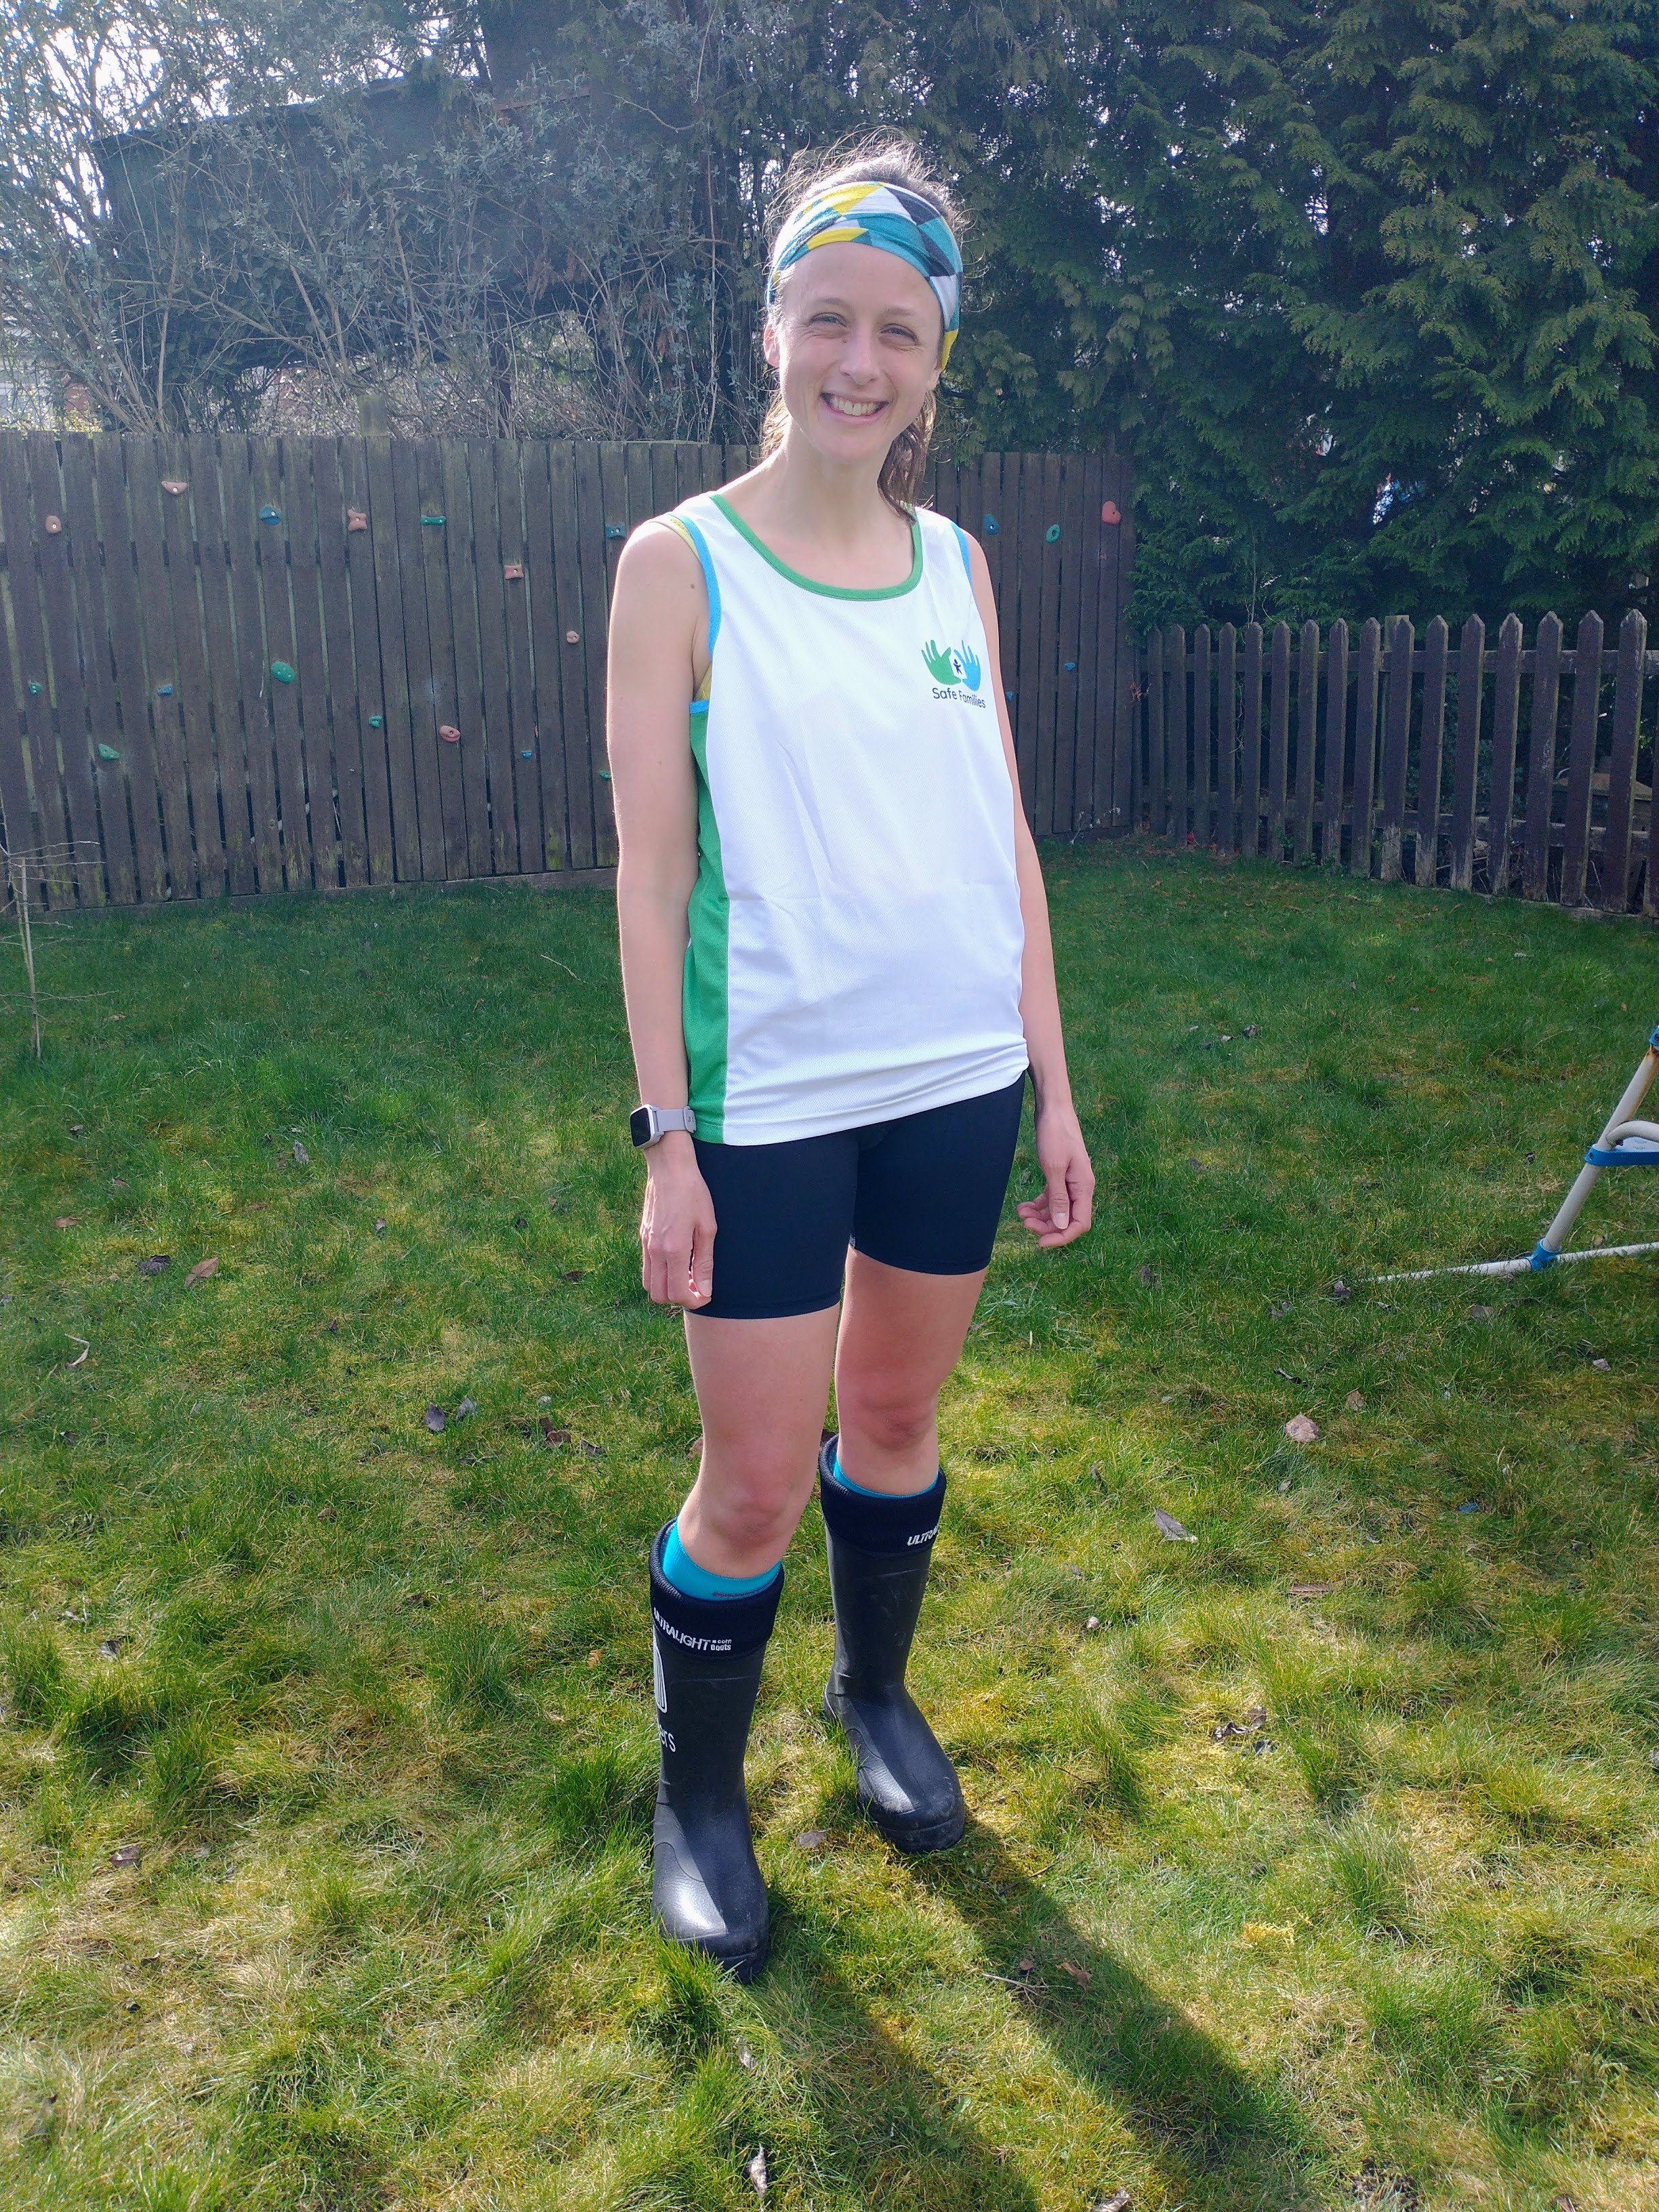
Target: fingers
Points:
(677, 1260)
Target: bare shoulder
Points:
(659, 559)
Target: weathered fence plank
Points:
(1226, 739)
(1505, 728)
(1307, 740)
(1471, 671)
(1541, 758)
(1430, 752)
(1581, 758)
(1176, 771)
(1621, 769)
(1367, 686)
(1251, 823)
(1279, 740)
(1336, 731)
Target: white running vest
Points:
(855, 931)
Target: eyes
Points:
(826, 321)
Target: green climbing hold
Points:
(433, 521)
(107, 752)
(376, 721)
(1052, 533)
(34, 689)
(281, 672)
(164, 690)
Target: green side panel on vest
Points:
(708, 916)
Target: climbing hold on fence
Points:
(605, 775)
(54, 524)
(1071, 668)
(990, 525)
(107, 752)
(34, 687)
(376, 721)
(526, 752)
(512, 572)
(449, 733)
(357, 518)
(1052, 533)
(573, 637)
(270, 514)
(1109, 514)
(615, 530)
(174, 484)
(281, 672)
(1007, 695)
(164, 690)
(433, 521)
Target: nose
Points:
(859, 358)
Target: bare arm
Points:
(1066, 1208)
(659, 614)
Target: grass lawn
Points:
(327, 1752)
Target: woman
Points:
(836, 960)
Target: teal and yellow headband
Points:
(864, 213)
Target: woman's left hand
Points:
(1067, 1206)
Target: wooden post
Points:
(1155, 732)
(1396, 743)
(1364, 748)
(1505, 720)
(1336, 733)
(1174, 733)
(1279, 740)
(1227, 741)
(1431, 754)
(1581, 758)
(1250, 840)
(1307, 740)
(1471, 671)
(1541, 757)
(1621, 770)
(1203, 823)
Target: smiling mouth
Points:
(853, 411)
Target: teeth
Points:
(853, 406)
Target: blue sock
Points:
(861, 1490)
(681, 1572)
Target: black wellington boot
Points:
(879, 1550)
(706, 1889)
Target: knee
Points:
(888, 1415)
(753, 1512)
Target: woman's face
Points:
(854, 338)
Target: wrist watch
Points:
(647, 1125)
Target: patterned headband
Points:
(869, 214)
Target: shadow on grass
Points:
(895, 2129)
(1213, 2136)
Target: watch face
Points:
(639, 1125)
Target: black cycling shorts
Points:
(924, 1192)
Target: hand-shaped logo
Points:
(952, 664)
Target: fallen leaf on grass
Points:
(1080, 1975)
(202, 1270)
(379, 1228)
(467, 1406)
(1310, 1589)
(1603, 1366)
(1170, 1528)
(591, 1451)
(1301, 1430)
(594, 1658)
(1339, 1290)
(157, 1264)
(125, 1855)
(1222, 1730)
(694, 1450)
(301, 1157)
(811, 1839)
(1256, 1716)
(1355, 1401)
(1279, 1312)
(1091, 1623)
(1269, 1931)
(572, 1274)
(552, 1435)
(1479, 1313)
(110, 1648)
(436, 1419)
(1147, 1277)
(80, 1358)
(756, 2170)
(1119, 2201)
(64, 1221)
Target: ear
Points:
(769, 342)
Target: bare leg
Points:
(901, 1335)
(763, 1387)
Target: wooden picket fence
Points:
(241, 666)
(1522, 766)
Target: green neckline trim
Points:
(810, 583)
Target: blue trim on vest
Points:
(711, 584)
(967, 551)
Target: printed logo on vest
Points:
(956, 670)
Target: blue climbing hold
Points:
(281, 672)
(34, 689)
(527, 752)
(1071, 668)
(376, 721)
(615, 530)
(270, 514)
(164, 690)
(990, 525)
(1052, 533)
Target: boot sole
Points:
(743, 1966)
(912, 1839)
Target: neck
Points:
(800, 495)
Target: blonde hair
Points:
(886, 159)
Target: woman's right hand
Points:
(676, 1227)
